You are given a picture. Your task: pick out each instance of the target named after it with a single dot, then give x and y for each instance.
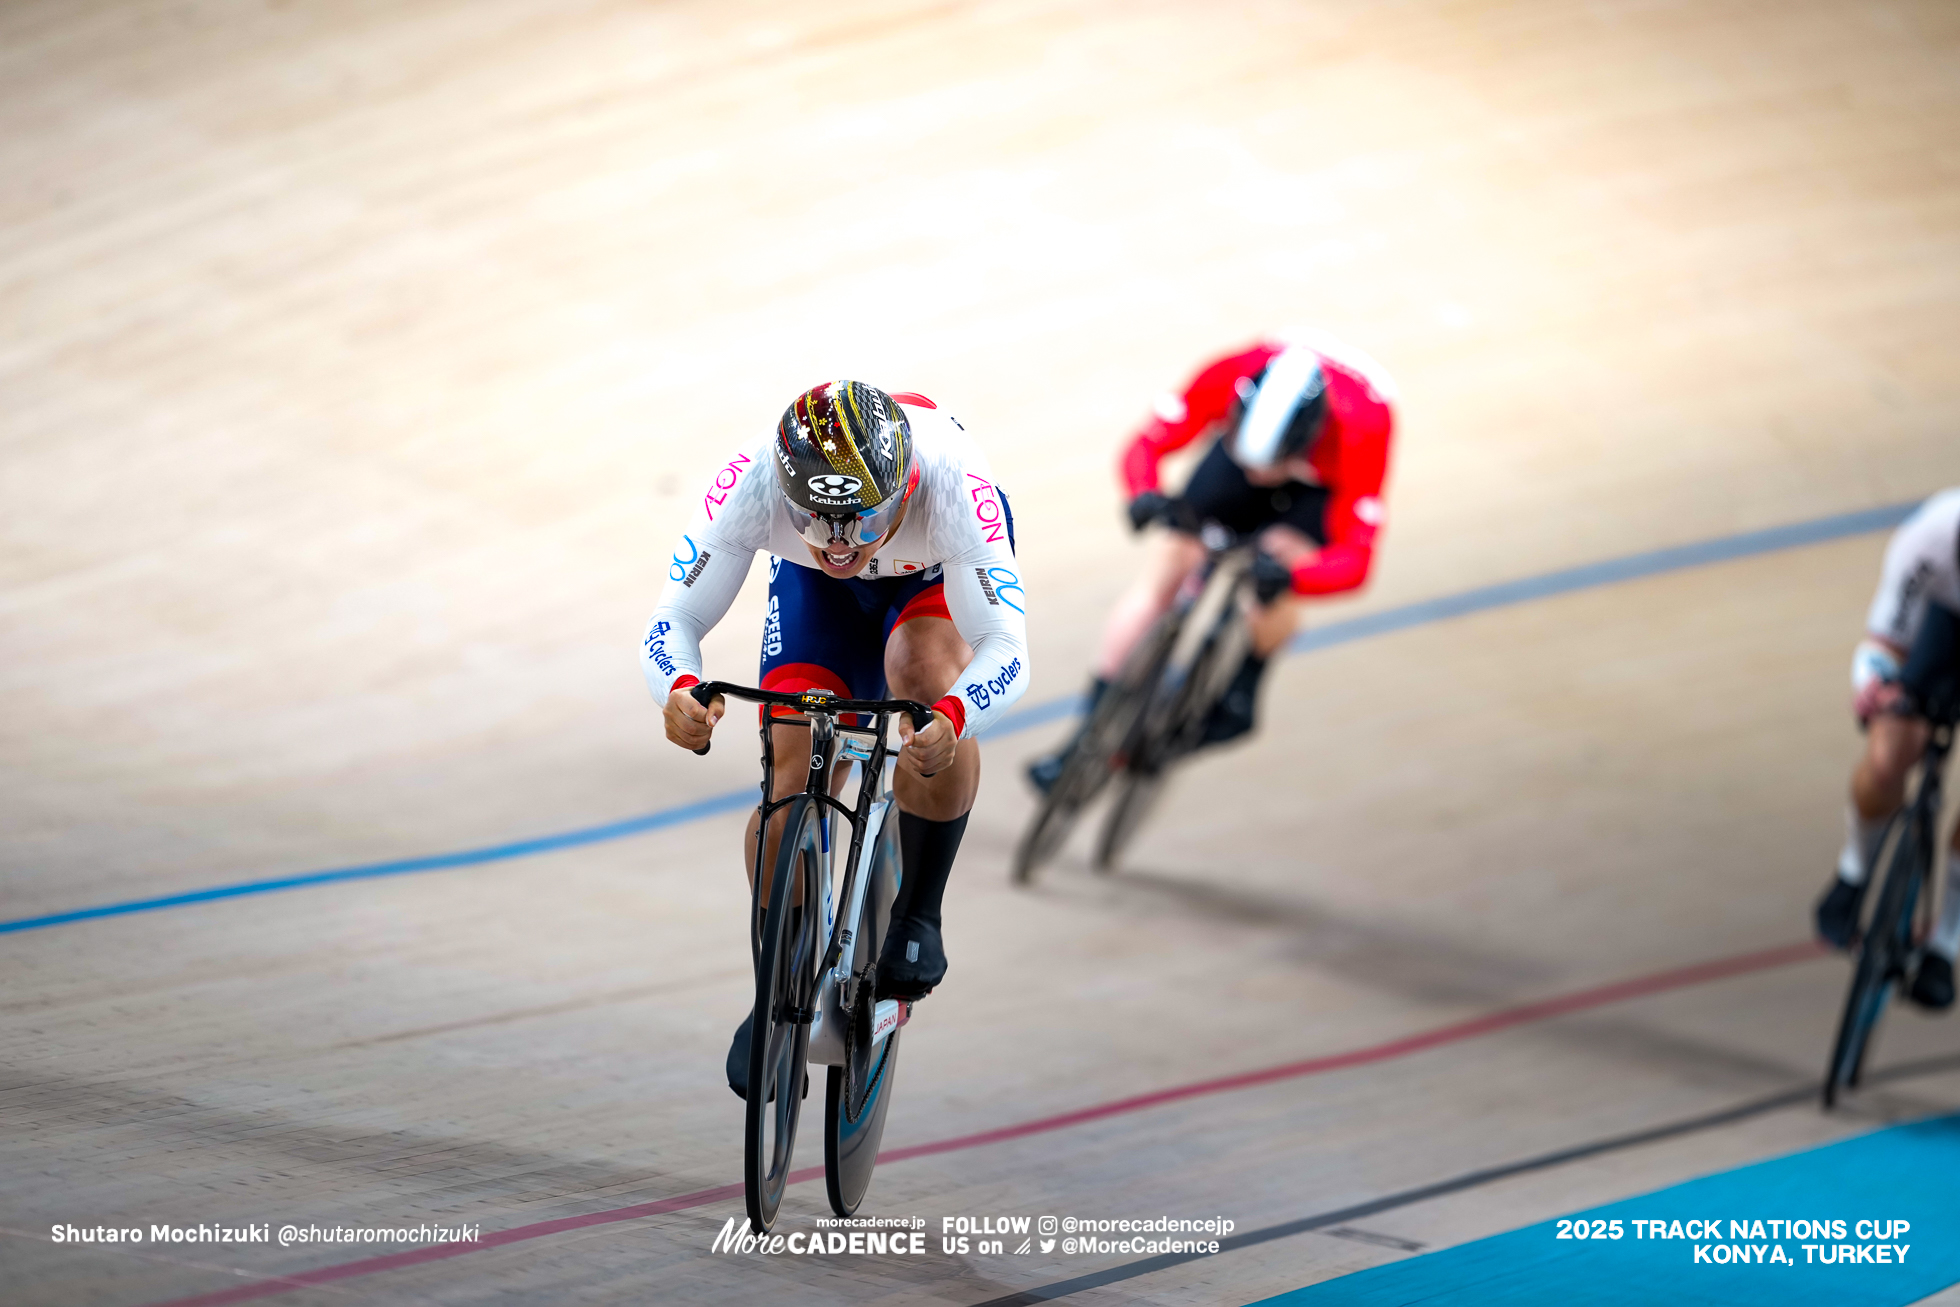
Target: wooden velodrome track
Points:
(361, 361)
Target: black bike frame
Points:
(821, 709)
(1224, 549)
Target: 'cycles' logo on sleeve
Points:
(982, 695)
(656, 645)
(688, 570)
(999, 585)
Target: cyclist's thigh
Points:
(1168, 558)
(1893, 744)
(923, 651)
(1286, 543)
(821, 633)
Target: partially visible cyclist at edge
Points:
(892, 576)
(1911, 651)
(1301, 427)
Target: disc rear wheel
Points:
(858, 1094)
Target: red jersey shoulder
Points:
(1355, 403)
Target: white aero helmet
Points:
(1285, 413)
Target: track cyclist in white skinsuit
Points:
(892, 576)
(1911, 648)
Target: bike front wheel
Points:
(1100, 751)
(785, 994)
(1882, 955)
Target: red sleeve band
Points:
(955, 709)
(684, 680)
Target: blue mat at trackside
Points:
(1907, 1173)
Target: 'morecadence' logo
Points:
(737, 1237)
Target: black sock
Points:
(928, 849)
(1249, 673)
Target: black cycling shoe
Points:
(1044, 772)
(1932, 988)
(1228, 719)
(913, 961)
(1837, 913)
(1234, 713)
(738, 1058)
(738, 1061)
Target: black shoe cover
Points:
(1044, 772)
(1233, 714)
(1229, 718)
(1932, 988)
(738, 1061)
(738, 1058)
(1837, 912)
(913, 961)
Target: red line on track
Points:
(1504, 1019)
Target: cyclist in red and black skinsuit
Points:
(1302, 429)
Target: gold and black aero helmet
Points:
(844, 462)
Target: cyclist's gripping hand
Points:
(928, 751)
(1270, 577)
(688, 723)
(1875, 676)
(1148, 507)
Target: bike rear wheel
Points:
(785, 993)
(1882, 956)
(1135, 800)
(1099, 752)
(859, 1093)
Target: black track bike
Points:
(816, 954)
(1890, 945)
(1152, 715)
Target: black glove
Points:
(1147, 508)
(1270, 577)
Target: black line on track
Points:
(1469, 1180)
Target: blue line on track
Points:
(1609, 572)
(1902, 1178)
(435, 862)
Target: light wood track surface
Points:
(361, 362)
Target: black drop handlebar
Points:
(809, 701)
